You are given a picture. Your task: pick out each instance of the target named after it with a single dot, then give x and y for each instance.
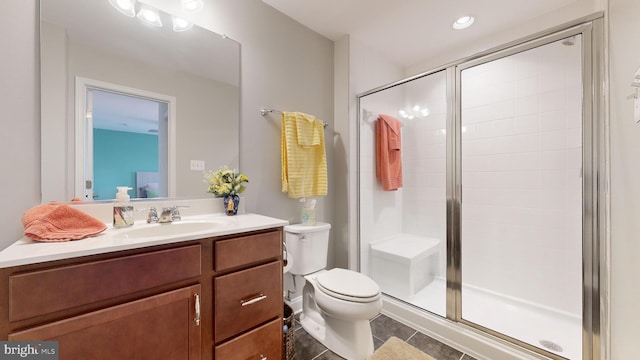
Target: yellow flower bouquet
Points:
(225, 182)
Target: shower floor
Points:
(533, 325)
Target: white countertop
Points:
(26, 251)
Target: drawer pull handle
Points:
(197, 301)
(262, 357)
(253, 300)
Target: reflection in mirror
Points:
(84, 43)
(129, 134)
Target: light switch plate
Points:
(197, 165)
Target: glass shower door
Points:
(403, 231)
(521, 195)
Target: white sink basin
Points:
(179, 228)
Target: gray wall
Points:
(624, 59)
(20, 104)
(285, 66)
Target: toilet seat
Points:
(348, 285)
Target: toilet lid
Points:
(348, 285)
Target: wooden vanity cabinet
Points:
(163, 302)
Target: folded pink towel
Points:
(49, 222)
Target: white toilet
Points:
(337, 304)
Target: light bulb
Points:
(149, 16)
(463, 22)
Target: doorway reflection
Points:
(126, 138)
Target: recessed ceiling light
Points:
(463, 22)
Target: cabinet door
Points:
(164, 326)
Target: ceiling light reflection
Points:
(180, 24)
(149, 16)
(192, 5)
(127, 7)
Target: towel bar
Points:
(264, 112)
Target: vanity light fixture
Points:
(192, 5)
(463, 22)
(127, 7)
(149, 16)
(180, 24)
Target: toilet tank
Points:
(308, 246)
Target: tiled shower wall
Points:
(424, 161)
(521, 179)
(380, 211)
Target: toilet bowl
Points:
(337, 304)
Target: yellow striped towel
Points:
(308, 130)
(304, 167)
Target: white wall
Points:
(624, 59)
(284, 66)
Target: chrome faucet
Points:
(167, 215)
(152, 218)
(170, 214)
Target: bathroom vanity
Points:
(210, 294)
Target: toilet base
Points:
(350, 339)
(346, 336)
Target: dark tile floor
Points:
(382, 327)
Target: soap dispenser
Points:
(122, 211)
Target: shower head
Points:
(570, 41)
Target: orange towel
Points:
(49, 222)
(388, 152)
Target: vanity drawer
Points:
(264, 342)
(247, 298)
(47, 291)
(245, 250)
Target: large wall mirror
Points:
(125, 103)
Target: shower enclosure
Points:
(497, 224)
